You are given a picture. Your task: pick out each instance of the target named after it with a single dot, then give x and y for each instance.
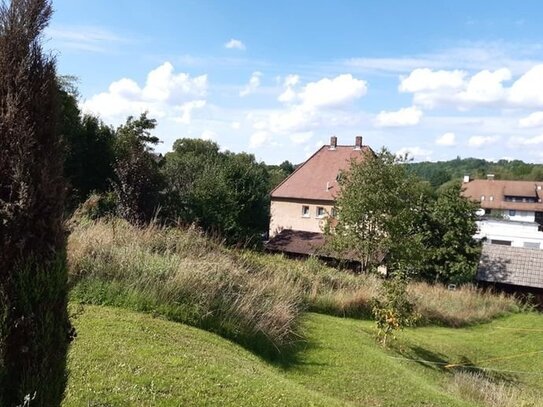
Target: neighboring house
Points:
(511, 212)
(302, 203)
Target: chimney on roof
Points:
(466, 179)
(333, 142)
(358, 142)
(490, 177)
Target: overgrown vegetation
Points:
(387, 215)
(34, 326)
(253, 298)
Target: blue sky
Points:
(277, 79)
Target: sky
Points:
(276, 79)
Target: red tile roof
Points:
(498, 189)
(317, 178)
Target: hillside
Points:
(125, 358)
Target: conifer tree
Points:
(34, 324)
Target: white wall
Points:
(515, 232)
(288, 215)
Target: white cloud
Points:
(333, 92)
(209, 135)
(424, 79)
(311, 106)
(528, 89)
(235, 125)
(259, 138)
(417, 153)
(447, 139)
(254, 84)
(84, 38)
(485, 88)
(187, 108)
(407, 116)
(481, 141)
(165, 94)
(533, 120)
(235, 44)
(526, 141)
(301, 138)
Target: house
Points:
(511, 212)
(303, 202)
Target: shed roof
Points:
(511, 265)
(317, 177)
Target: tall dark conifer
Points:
(34, 325)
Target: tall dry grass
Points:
(186, 277)
(465, 305)
(253, 298)
(478, 388)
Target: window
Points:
(334, 212)
(501, 242)
(482, 197)
(512, 212)
(531, 245)
(491, 198)
(321, 213)
(305, 211)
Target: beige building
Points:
(302, 203)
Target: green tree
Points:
(378, 211)
(223, 192)
(34, 325)
(138, 181)
(451, 253)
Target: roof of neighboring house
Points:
(511, 265)
(296, 241)
(316, 178)
(499, 189)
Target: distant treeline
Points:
(441, 172)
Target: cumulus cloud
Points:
(235, 44)
(252, 85)
(525, 141)
(533, 120)
(209, 135)
(447, 139)
(424, 79)
(417, 153)
(289, 95)
(481, 141)
(485, 88)
(165, 94)
(407, 116)
(301, 138)
(528, 89)
(259, 138)
(333, 92)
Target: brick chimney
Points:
(333, 142)
(358, 142)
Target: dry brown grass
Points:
(477, 388)
(464, 306)
(185, 276)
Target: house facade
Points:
(302, 204)
(511, 212)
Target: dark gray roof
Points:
(511, 265)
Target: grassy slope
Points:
(126, 358)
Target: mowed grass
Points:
(123, 358)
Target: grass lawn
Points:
(124, 358)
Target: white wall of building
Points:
(288, 215)
(520, 234)
(517, 216)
